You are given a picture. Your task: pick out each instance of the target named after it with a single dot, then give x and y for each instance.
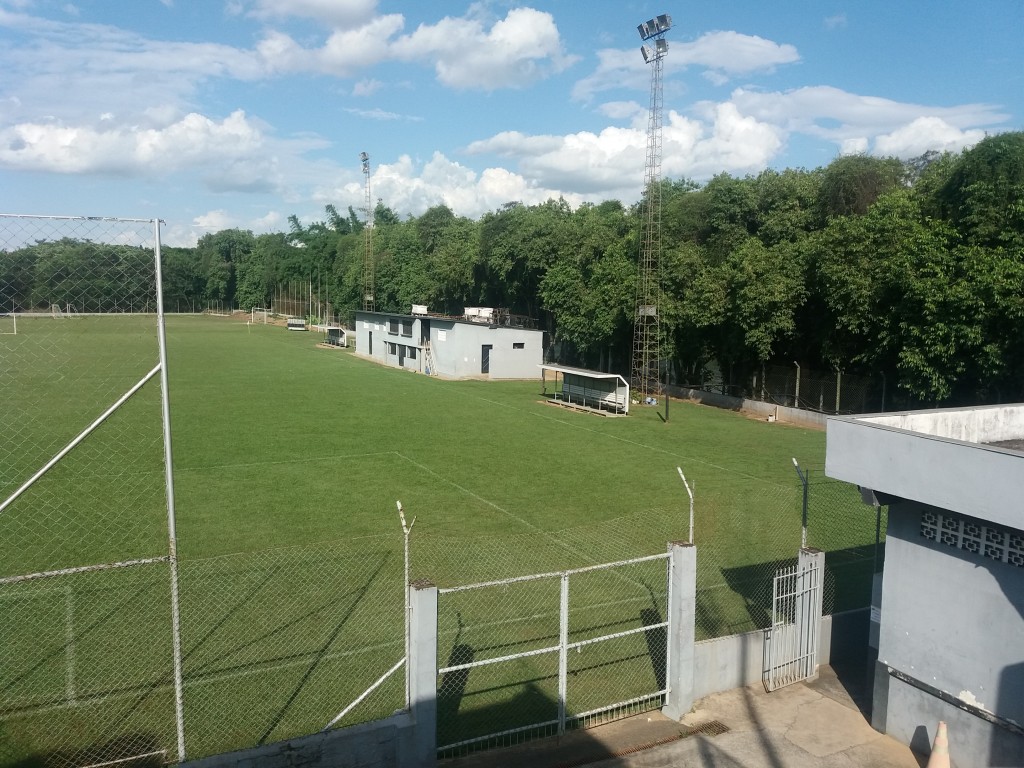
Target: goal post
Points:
(8, 324)
(260, 315)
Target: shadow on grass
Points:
(847, 586)
(357, 596)
(136, 750)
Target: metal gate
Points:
(536, 655)
(791, 648)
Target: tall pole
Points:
(646, 336)
(368, 265)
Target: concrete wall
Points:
(974, 425)
(977, 480)
(380, 744)
(781, 413)
(457, 349)
(456, 346)
(953, 620)
(368, 323)
(738, 660)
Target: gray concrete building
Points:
(484, 346)
(949, 615)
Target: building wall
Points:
(386, 342)
(953, 620)
(456, 346)
(457, 350)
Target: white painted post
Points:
(422, 664)
(681, 629)
(563, 651)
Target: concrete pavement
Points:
(806, 725)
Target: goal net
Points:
(260, 315)
(8, 324)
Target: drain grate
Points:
(710, 728)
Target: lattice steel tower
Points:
(646, 336)
(368, 265)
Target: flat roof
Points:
(450, 319)
(580, 372)
(966, 460)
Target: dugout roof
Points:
(590, 389)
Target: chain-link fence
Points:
(276, 643)
(833, 391)
(550, 651)
(87, 640)
(95, 667)
(747, 529)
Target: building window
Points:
(407, 327)
(392, 348)
(393, 326)
(990, 541)
(410, 352)
(518, 345)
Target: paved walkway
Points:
(807, 725)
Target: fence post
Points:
(422, 663)
(681, 609)
(811, 581)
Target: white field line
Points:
(258, 669)
(303, 460)
(190, 682)
(676, 456)
(478, 497)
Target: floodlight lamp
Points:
(664, 22)
(661, 46)
(642, 29)
(647, 52)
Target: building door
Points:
(485, 358)
(401, 355)
(369, 345)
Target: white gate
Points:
(791, 648)
(535, 655)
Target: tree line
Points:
(913, 270)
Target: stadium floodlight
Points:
(659, 25)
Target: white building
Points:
(490, 347)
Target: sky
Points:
(212, 114)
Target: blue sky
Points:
(238, 113)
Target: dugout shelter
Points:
(605, 393)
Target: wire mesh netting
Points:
(85, 619)
(276, 642)
(500, 650)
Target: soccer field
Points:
(288, 462)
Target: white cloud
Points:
(231, 154)
(380, 114)
(722, 56)
(733, 53)
(343, 14)
(367, 87)
(610, 163)
(521, 48)
(836, 114)
(856, 145)
(923, 134)
(836, 21)
(214, 221)
(410, 187)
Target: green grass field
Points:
(288, 462)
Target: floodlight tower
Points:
(368, 279)
(645, 331)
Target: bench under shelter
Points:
(607, 393)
